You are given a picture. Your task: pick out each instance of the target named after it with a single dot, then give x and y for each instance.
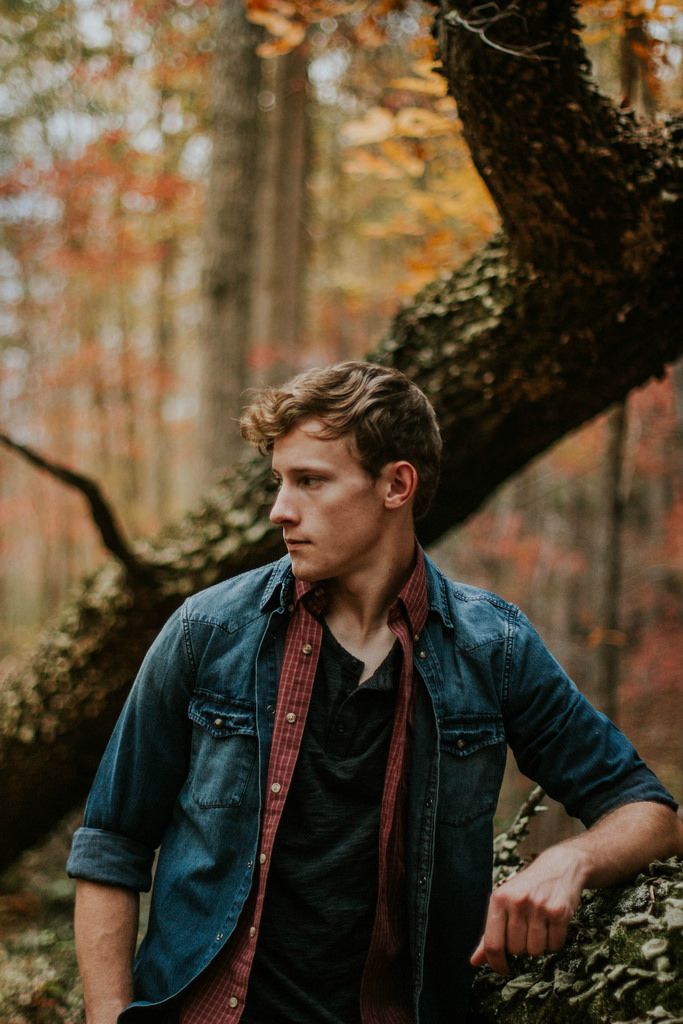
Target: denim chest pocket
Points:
(471, 766)
(224, 752)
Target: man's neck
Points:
(361, 601)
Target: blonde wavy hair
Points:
(386, 415)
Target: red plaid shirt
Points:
(218, 996)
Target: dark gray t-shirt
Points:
(322, 886)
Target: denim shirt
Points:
(186, 766)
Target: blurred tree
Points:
(229, 238)
(277, 294)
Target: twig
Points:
(479, 22)
(506, 859)
(102, 514)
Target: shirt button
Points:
(218, 722)
(232, 1002)
(460, 744)
(262, 858)
(290, 717)
(252, 931)
(416, 637)
(307, 649)
(290, 608)
(276, 787)
(423, 654)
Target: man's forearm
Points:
(531, 912)
(626, 840)
(106, 924)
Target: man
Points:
(317, 748)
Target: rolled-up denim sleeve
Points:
(562, 742)
(142, 770)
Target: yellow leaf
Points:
(360, 161)
(446, 105)
(378, 124)
(435, 86)
(281, 45)
(596, 35)
(425, 68)
(273, 22)
(417, 123)
(402, 155)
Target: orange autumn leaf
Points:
(403, 156)
(377, 125)
(435, 86)
(417, 123)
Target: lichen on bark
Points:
(623, 962)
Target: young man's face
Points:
(331, 511)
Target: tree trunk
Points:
(611, 638)
(162, 465)
(277, 298)
(538, 332)
(229, 236)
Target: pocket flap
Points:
(463, 736)
(222, 719)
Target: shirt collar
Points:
(412, 600)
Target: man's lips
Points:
(294, 542)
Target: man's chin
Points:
(303, 572)
(306, 575)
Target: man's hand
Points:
(531, 913)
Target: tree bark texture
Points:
(229, 235)
(552, 321)
(623, 962)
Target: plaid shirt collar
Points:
(411, 601)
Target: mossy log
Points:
(623, 962)
(574, 303)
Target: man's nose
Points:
(283, 510)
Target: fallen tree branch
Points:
(102, 513)
(506, 858)
(622, 962)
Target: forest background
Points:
(362, 190)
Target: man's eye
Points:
(309, 481)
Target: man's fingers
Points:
(557, 934)
(537, 939)
(478, 958)
(494, 940)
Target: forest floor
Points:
(38, 975)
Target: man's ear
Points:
(400, 484)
